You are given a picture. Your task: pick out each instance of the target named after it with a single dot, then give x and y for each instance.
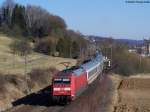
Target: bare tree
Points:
(21, 48)
(37, 19)
(9, 6)
(42, 23)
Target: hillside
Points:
(129, 42)
(14, 86)
(14, 64)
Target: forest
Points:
(48, 32)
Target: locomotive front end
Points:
(62, 89)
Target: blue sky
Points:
(111, 18)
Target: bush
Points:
(68, 48)
(46, 46)
(15, 80)
(22, 47)
(129, 63)
(42, 77)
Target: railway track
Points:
(40, 101)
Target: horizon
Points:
(116, 19)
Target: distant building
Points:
(147, 47)
(143, 50)
(132, 50)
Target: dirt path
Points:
(132, 94)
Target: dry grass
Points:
(40, 78)
(10, 64)
(116, 79)
(131, 94)
(141, 75)
(134, 95)
(13, 87)
(40, 69)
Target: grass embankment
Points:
(13, 83)
(14, 64)
(13, 87)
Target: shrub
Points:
(15, 80)
(22, 47)
(42, 77)
(127, 63)
(130, 63)
(46, 46)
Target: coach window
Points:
(92, 72)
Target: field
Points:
(14, 64)
(132, 94)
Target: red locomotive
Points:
(70, 83)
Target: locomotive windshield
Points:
(62, 81)
(57, 81)
(66, 81)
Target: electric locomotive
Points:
(70, 83)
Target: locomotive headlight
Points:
(67, 89)
(56, 89)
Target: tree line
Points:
(47, 31)
(28, 21)
(126, 63)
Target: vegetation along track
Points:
(40, 101)
(133, 95)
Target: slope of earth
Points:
(13, 83)
(133, 94)
(14, 64)
(116, 80)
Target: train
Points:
(68, 84)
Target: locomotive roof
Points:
(78, 70)
(98, 59)
(89, 64)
